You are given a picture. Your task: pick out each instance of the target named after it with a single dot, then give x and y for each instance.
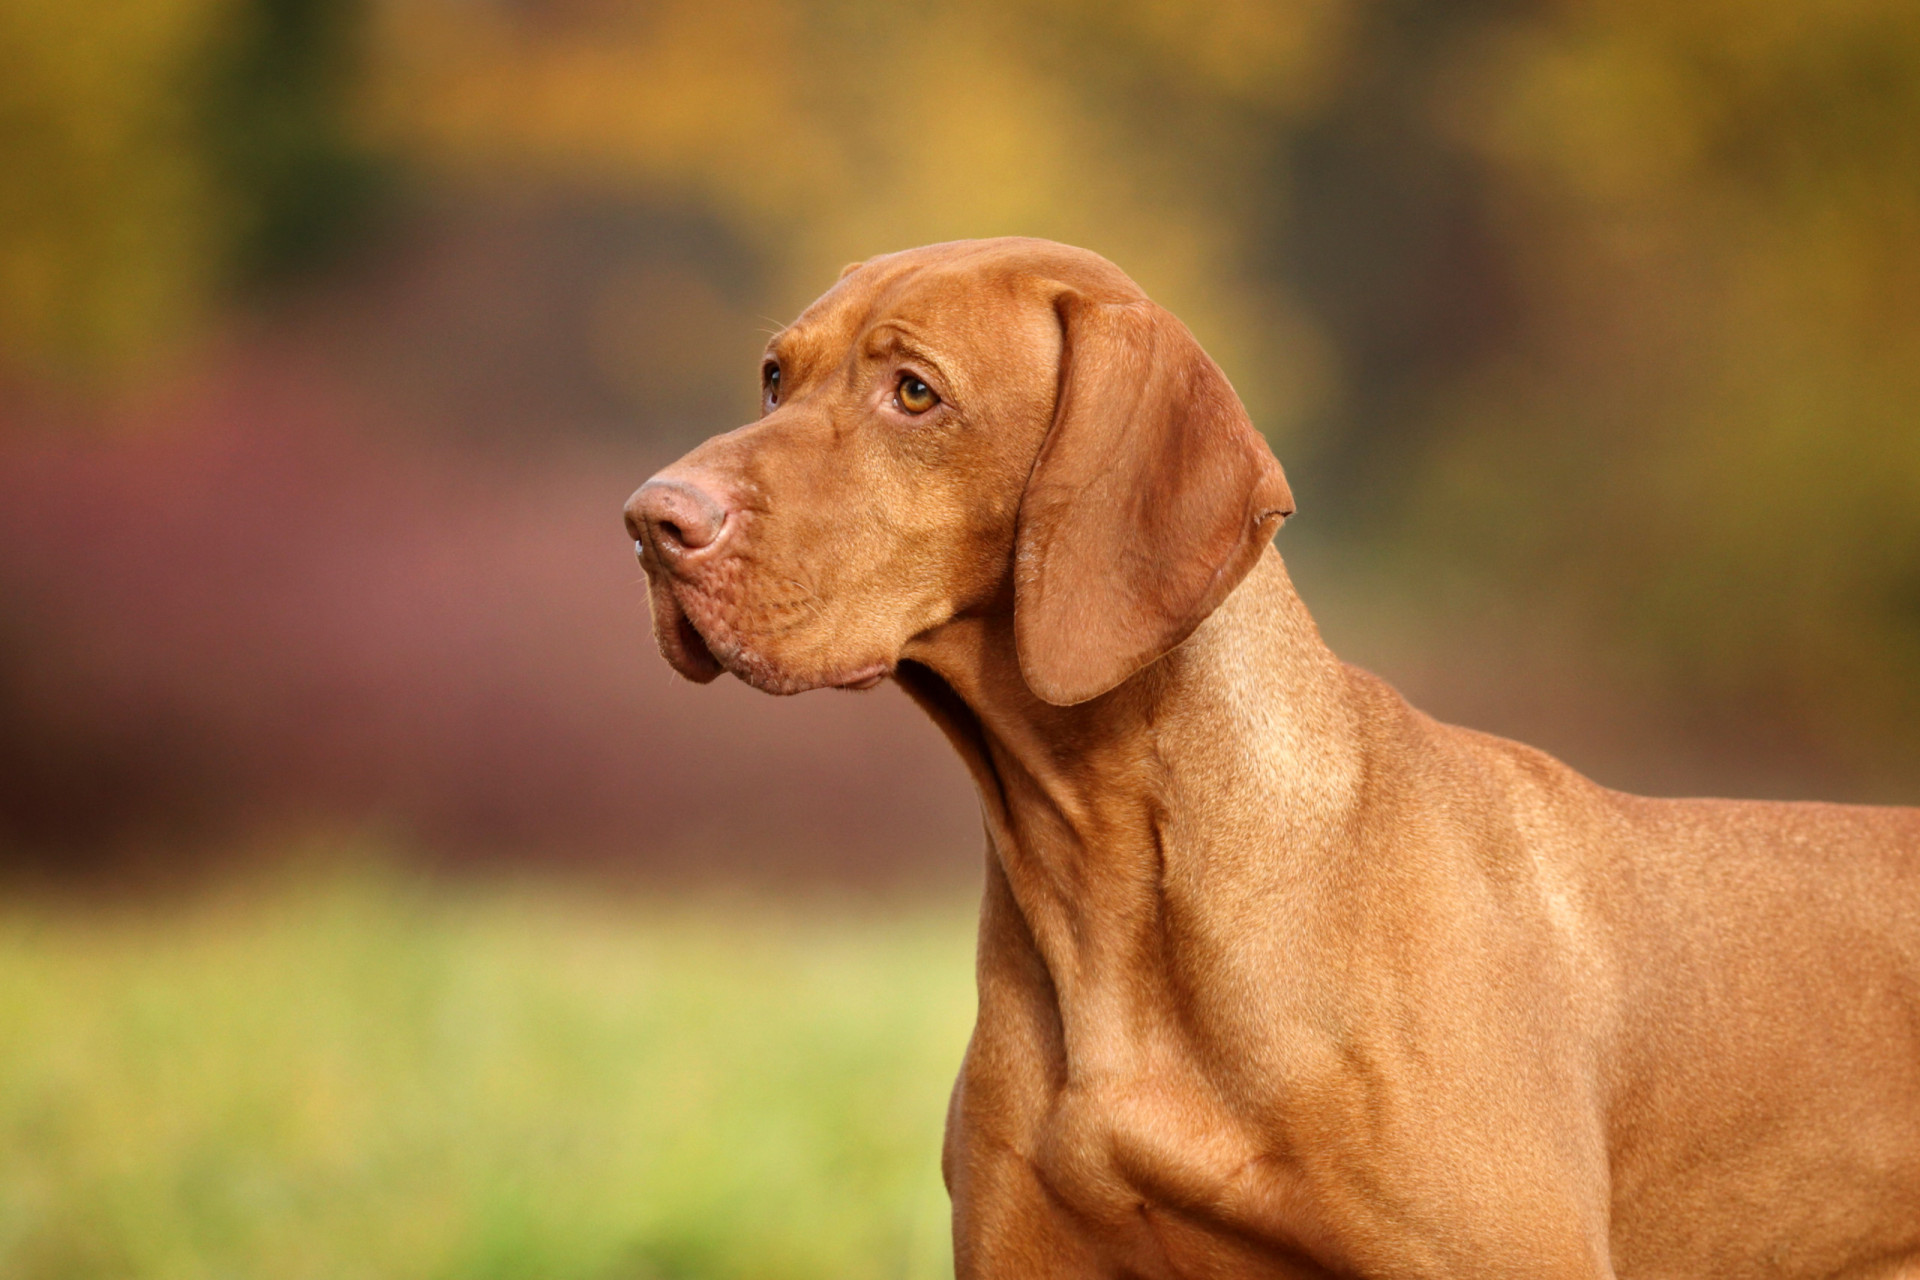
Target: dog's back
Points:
(1775, 1003)
(1759, 967)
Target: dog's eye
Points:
(770, 382)
(914, 395)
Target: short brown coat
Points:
(1278, 976)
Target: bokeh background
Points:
(378, 904)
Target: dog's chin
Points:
(769, 678)
(701, 650)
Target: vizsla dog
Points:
(1278, 976)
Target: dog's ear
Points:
(1151, 499)
(850, 268)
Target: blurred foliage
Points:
(279, 92)
(107, 215)
(826, 132)
(160, 152)
(1701, 436)
(346, 1077)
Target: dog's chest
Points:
(1153, 1157)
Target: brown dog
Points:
(1279, 977)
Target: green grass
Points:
(352, 1078)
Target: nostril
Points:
(676, 516)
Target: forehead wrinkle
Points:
(863, 310)
(834, 322)
(894, 334)
(797, 348)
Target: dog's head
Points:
(978, 427)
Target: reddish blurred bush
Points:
(259, 610)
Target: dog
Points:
(1277, 975)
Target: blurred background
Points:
(378, 903)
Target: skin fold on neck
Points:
(1093, 812)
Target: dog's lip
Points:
(688, 647)
(865, 677)
(699, 652)
(682, 643)
(692, 652)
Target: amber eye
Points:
(770, 381)
(914, 395)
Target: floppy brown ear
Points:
(1152, 498)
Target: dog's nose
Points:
(674, 516)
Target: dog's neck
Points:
(1216, 773)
